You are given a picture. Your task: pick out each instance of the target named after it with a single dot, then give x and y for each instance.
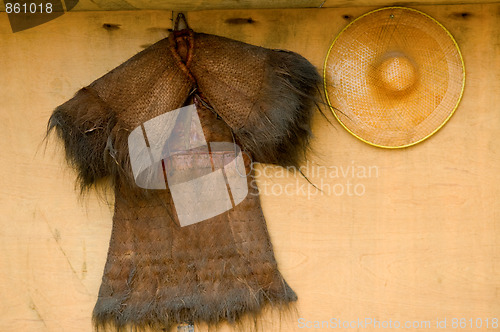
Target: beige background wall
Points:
(421, 243)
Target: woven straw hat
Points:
(393, 77)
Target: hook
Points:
(180, 25)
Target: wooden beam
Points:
(195, 5)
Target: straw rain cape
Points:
(207, 90)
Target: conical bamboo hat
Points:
(393, 77)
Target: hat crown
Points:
(396, 73)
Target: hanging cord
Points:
(186, 35)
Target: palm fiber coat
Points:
(158, 273)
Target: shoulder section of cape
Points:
(267, 97)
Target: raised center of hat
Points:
(397, 73)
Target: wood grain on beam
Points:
(194, 5)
